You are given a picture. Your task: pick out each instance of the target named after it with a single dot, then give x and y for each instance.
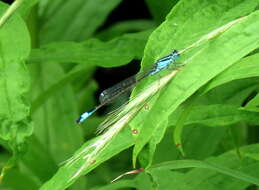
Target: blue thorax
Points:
(165, 62)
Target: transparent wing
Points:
(135, 104)
(113, 92)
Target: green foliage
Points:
(57, 14)
(190, 128)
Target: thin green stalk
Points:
(10, 11)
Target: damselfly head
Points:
(103, 96)
(175, 53)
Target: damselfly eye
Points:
(175, 53)
(102, 94)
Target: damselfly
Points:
(111, 93)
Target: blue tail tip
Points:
(84, 116)
(78, 121)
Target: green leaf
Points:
(59, 85)
(222, 105)
(117, 185)
(253, 104)
(159, 9)
(180, 164)
(194, 139)
(245, 68)
(55, 120)
(217, 115)
(200, 141)
(22, 181)
(146, 156)
(116, 52)
(202, 65)
(188, 106)
(14, 78)
(125, 27)
(204, 62)
(232, 93)
(8, 13)
(208, 174)
(26, 7)
(38, 155)
(163, 179)
(86, 159)
(90, 53)
(73, 20)
(141, 181)
(22, 6)
(56, 133)
(14, 84)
